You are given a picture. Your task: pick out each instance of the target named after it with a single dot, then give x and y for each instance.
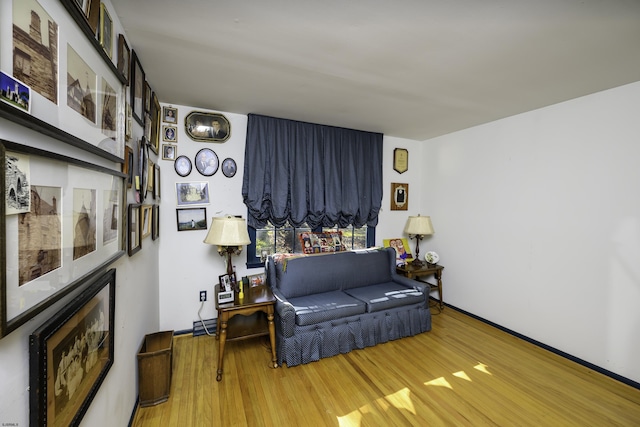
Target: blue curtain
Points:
(302, 172)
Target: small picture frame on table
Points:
(228, 282)
(256, 280)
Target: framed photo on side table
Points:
(71, 354)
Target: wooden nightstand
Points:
(411, 271)
(256, 310)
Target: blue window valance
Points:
(320, 175)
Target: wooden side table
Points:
(412, 271)
(256, 310)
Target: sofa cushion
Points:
(386, 295)
(317, 308)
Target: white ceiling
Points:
(408, 68)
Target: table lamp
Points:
(230, 234)
(417, 227)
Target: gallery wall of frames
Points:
(66, 73)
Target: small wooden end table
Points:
(256, 310)
(416, 271)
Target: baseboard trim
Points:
(199, 327)
(582, 362)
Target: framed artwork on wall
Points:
(182, 166)
(191, 219)
(207, 127)
(134, 240)
(137, 89)
(401, 160)
(192, 193)
(71, 354)
(207, 162)
(105, 30)
(399, 197)
(124, 58)
(169, 115)
(169, 151)
(72, 228)
(229, 167)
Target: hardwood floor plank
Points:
(464, 372)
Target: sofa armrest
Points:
(412, 283)
(285, 314)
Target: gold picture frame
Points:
(399, 197)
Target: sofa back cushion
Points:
(312, 274)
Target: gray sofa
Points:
(333, 303)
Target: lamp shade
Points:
(419, 226)
(227, 231)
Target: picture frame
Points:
(82, 332)
(169, 115)
(83, 226)
(191, 219)
(169, 133)
(19, 97)
(127, 166)
(207, 127)
(150, 176)
(155, 226)
(229, 167)
(399, 197)
(192, 193)
(228, 282)
(105, 31)
(143, 168)
(147, 97)
(156, 182)
(137, 84)
(134, 240)
(207, 162)
(182, 166)
(255, 280)
(400, 160)
(401, 246)
(146, 220)
(169, 152)
(124, 58)
(155, 123)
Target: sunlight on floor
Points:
(402, 398)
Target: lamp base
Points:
(417, 263)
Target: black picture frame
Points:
(134, 235)
(191, 219)
(82, 333)
(155, 227)
(137, 91)
(229, 167)
(201, 126)
(22, 297)
(230, 279)
(207, 162)
(124, 58)
(182, 166)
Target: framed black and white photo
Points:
(182, 165)
(192, 193)
(191, 219)
(207, 127)
(74, 227)
(169, 133)
(169, 152)
(229, 167)
(71, 354)
(207, 162)
(169, 115)
(137, 89)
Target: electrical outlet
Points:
(203, 295)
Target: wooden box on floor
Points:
(154, 368)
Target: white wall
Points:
(136, 311)
(537, 221)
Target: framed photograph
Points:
(182, 166)
(147, 212)
(228, 282)
(192, 193)
(401, 160)
(109, 112)
(401, 246)
(128, 122)
(155, 123)
(127, 166)
(207, 162)
(81, 86)
(71, 354)
(15, 93)
(137, 89)
(150, 176)
(169, 115)
(169, 133)
(169, 152)
(229, 167)
(143, 168)
(207, 127)
(73, 228)
(135, 230)
(105, 31)
(257, 280)
(147, 97)
(399, 197)
(124, 58)
(155, 222)
(191, 219)
(156, 182)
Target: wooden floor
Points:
(463, 372)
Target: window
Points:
(22, 63)
(271, 240)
